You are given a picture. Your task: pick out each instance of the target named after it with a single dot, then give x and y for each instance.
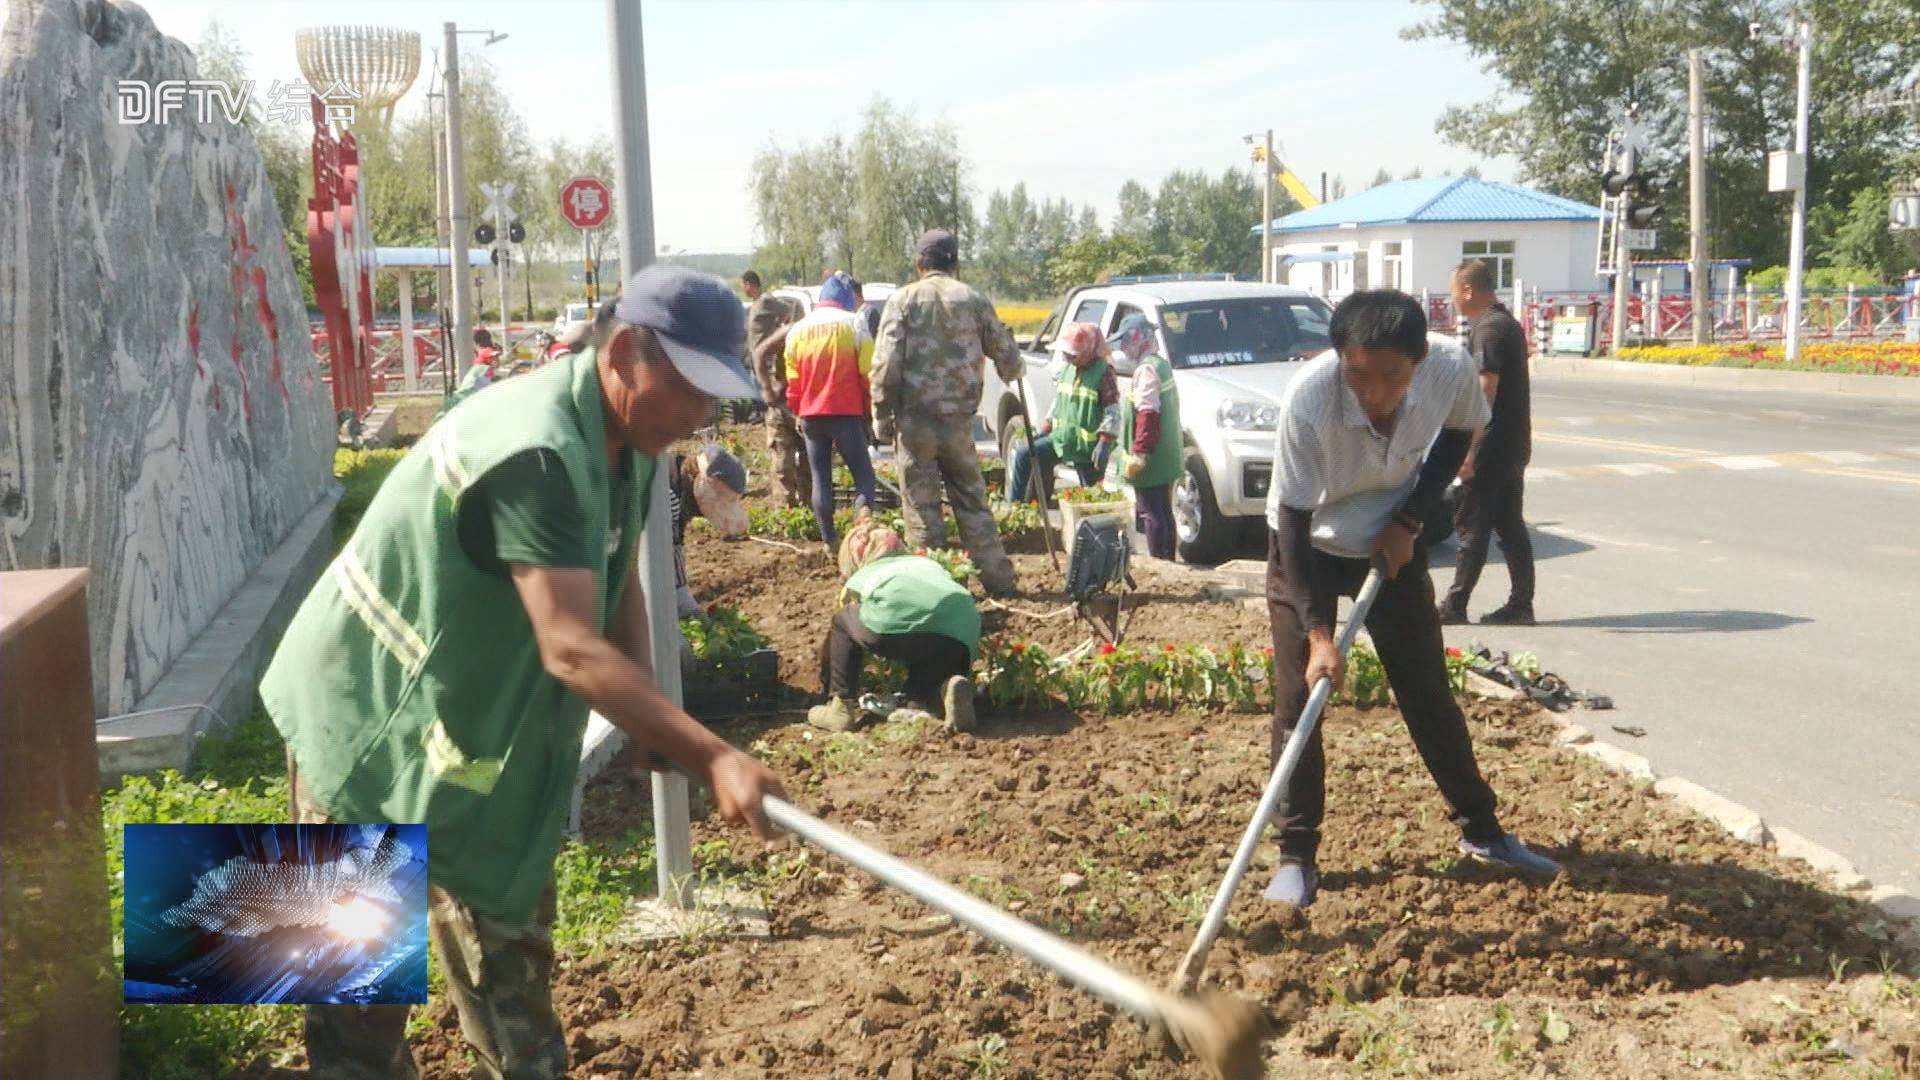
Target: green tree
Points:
(1382, 176)
(1091, 258)
(859, 205)
(1413, 174)
(1858, 237)
(1206, 224)
(1567, 66)
(1135, 214)
(1337, 189)
(1007, 259)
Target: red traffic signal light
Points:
(515, 233)
(1613, 181)
(483, 234)
(1644, 217)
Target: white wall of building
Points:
(1552, 256)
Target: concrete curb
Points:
(1882, 387)
(219, 670)
(1895, 913)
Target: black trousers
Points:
(1153, 511)
(931, 659)
(1406, 633)
(1491, 505)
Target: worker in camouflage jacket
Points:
(934, 334)
(786, 450)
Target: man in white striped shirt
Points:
(1369, 434)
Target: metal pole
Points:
(500, 268)
(1697, 198)
(457, 213)
(409, 360)
(1266, 214)
(1796, 255)
(633, 195)
(440, 274)
(1622, 276)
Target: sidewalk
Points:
(1900, 387)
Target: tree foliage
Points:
(1569, 65)
(858, 205)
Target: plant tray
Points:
(710, 689)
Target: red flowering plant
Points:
(1016, 674)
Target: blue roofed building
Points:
(1409, 235)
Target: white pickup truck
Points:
(1233, 347)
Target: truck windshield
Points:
(1246, 331)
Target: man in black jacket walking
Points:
(1494, 474)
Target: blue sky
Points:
(1072, 96)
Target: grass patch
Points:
(596, 881)
(239, 777)
(361, 472)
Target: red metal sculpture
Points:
(340, 241)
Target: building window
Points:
(1393, 266)
(1497, 254)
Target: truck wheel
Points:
(1013, 433)
(1206, 537)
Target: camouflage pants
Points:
(499, 975)
(791, 482)
(937, 455)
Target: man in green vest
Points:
(906, 608)
(1086, 415)
(1150, 432)
(442, 669)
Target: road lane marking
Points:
(1744, 462)
(1871, 474)
(1637, 468)
(1623, 444)
(1842, 457)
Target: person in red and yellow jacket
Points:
(828, 357)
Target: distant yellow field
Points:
(1021, 319)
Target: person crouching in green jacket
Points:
(1085, 420)
(906, 608)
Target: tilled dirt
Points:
(1665, 947)
(791, 594)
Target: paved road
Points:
(1740, 571)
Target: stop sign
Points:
(585, 202)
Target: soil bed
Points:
(1667, 949)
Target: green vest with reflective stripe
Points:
(1077, 412)
(1163, 463)
(409, 685)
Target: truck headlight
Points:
(1249, 415)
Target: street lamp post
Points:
(1264, 152)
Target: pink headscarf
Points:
(1082, 339)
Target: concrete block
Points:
(1741, 823)
(1897, 904)
(1792, 845)
(1621, 761)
